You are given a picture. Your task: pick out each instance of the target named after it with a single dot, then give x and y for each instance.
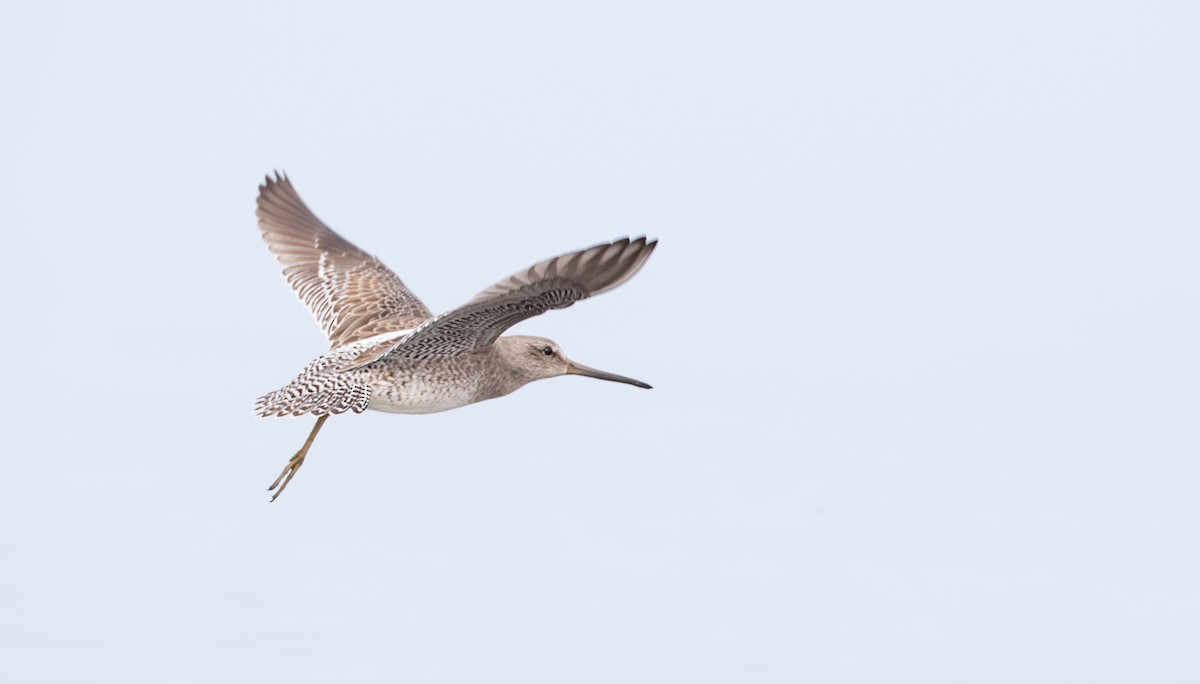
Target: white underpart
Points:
(417, 396)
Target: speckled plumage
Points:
(391, 384)
(389, 353)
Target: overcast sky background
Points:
(922, 328)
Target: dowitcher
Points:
(389, 353)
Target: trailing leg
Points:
(289, 471)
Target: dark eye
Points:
(548, 351)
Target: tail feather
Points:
(288, 402)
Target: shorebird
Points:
(389, 353)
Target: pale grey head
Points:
(537, 358)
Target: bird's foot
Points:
(289, 471)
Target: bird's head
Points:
(537, 358)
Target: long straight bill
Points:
(580, 369)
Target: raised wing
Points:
(352, 294)
(552, 284)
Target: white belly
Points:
(415, 396)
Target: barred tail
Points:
(290, 402)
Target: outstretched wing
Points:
(552, 284)
(352, 294)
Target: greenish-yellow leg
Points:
(289, 471)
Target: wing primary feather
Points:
(350, 293)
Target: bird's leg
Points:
(289, 471)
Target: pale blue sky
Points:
(922, 329)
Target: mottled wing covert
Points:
(552, 284)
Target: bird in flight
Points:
(388, 352)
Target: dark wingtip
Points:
(279, 178)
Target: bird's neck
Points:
(501, 376)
